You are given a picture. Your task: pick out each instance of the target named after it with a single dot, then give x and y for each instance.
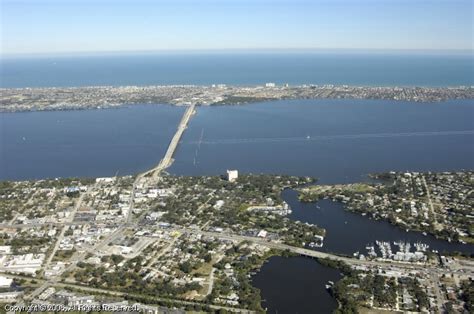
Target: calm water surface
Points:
(334, 140)
(348, 232)
(85, 143)
(295, 285)
(387, 69)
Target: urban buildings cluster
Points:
(65, 98)
(193, 242)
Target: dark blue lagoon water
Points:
(85, 143)
(339, 67)
(333, 140)
(348, 232)
(295, 285)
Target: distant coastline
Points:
(101, 97)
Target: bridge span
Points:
(304, 252)
(168, 158)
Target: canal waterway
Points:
(349, 232)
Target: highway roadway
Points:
(168, 158)
(155, 173)
(302, 251)
(70, 219)
(85, 289)
(164, 163)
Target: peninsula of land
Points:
(72, 98)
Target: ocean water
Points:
(333, 140)
(366, 69)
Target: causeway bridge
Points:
(168, 158)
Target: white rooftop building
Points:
(219, 204)
(262, 234)
(105, 180)
(5, 282)
(232, 175)
(27, 263)
(5, 249)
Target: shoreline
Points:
(108, 97)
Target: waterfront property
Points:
(193, 241)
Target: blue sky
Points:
(55, 26)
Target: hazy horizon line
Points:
(240, 51)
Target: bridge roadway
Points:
(303, 251)
(168, 158)
(261, 241)
(237, 237)
(164, 163)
